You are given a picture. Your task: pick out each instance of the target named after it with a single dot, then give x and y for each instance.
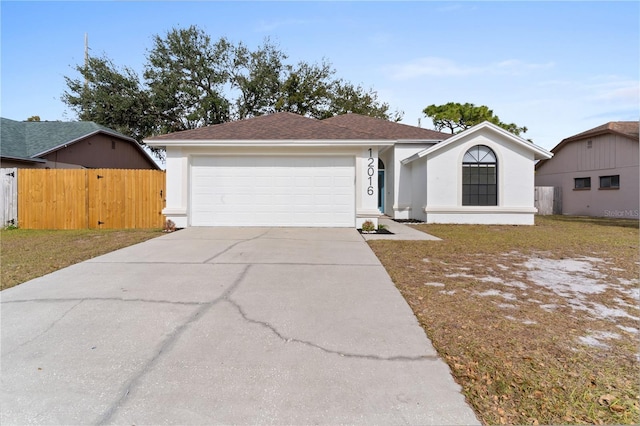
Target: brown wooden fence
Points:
(90, 198)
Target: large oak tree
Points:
(189, 81)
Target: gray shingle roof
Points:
(30, 139)
(290, 126)
(12, 139)
(384, 129)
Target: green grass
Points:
(518, 360)
(26, 254)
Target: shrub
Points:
(368, 226)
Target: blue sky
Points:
(558, 68)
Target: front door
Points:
(381, 190)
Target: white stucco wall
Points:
(419, 190)
(177, 186)
(515, 183)
(367, 186)
(403, 186)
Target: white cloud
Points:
(625, 91)
(603, 88)
(443, 67)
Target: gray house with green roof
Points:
(68, 145)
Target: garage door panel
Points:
(272, 191)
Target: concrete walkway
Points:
(223, 326)
(400, 232)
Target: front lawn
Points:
(538, 324)
(26, 254)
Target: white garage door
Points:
(273, 191)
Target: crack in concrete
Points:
(235, 244)
(322, 348)
(165, 346)
(44, 331)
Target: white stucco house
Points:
(287, 170)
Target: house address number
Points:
(370, 172)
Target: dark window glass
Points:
(610, 181)
(582, 183)
(479, 177)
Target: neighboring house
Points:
(287, 170)
(65, 145)
(597, 171)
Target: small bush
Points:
(368, 226)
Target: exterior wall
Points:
(100, 151)
(402, 196)
(515, 184)
(367, 186)
(177, 197)
(418, 190)
(609, 154)
(492, 217)
(178, 162)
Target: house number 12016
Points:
(370, 172)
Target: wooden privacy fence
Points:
(90, 198)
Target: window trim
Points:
(611, 186)
(484, 190)
(582, 188)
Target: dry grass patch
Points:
(26, 254)
(538, 324)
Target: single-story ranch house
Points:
(284, 169)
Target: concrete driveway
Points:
(223, 325)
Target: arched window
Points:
(479, 177)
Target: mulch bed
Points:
(378, 231)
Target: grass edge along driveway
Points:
(26, 254)
(539, 324)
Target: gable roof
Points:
(28, 140)
(539, 153)
(627, 129)
(287, 126)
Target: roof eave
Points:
(23, 159)
(420, 140)
(592, 134)
(582, 137)
(78, 139)
(539, 153)
(267, 143)
(101, 131)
